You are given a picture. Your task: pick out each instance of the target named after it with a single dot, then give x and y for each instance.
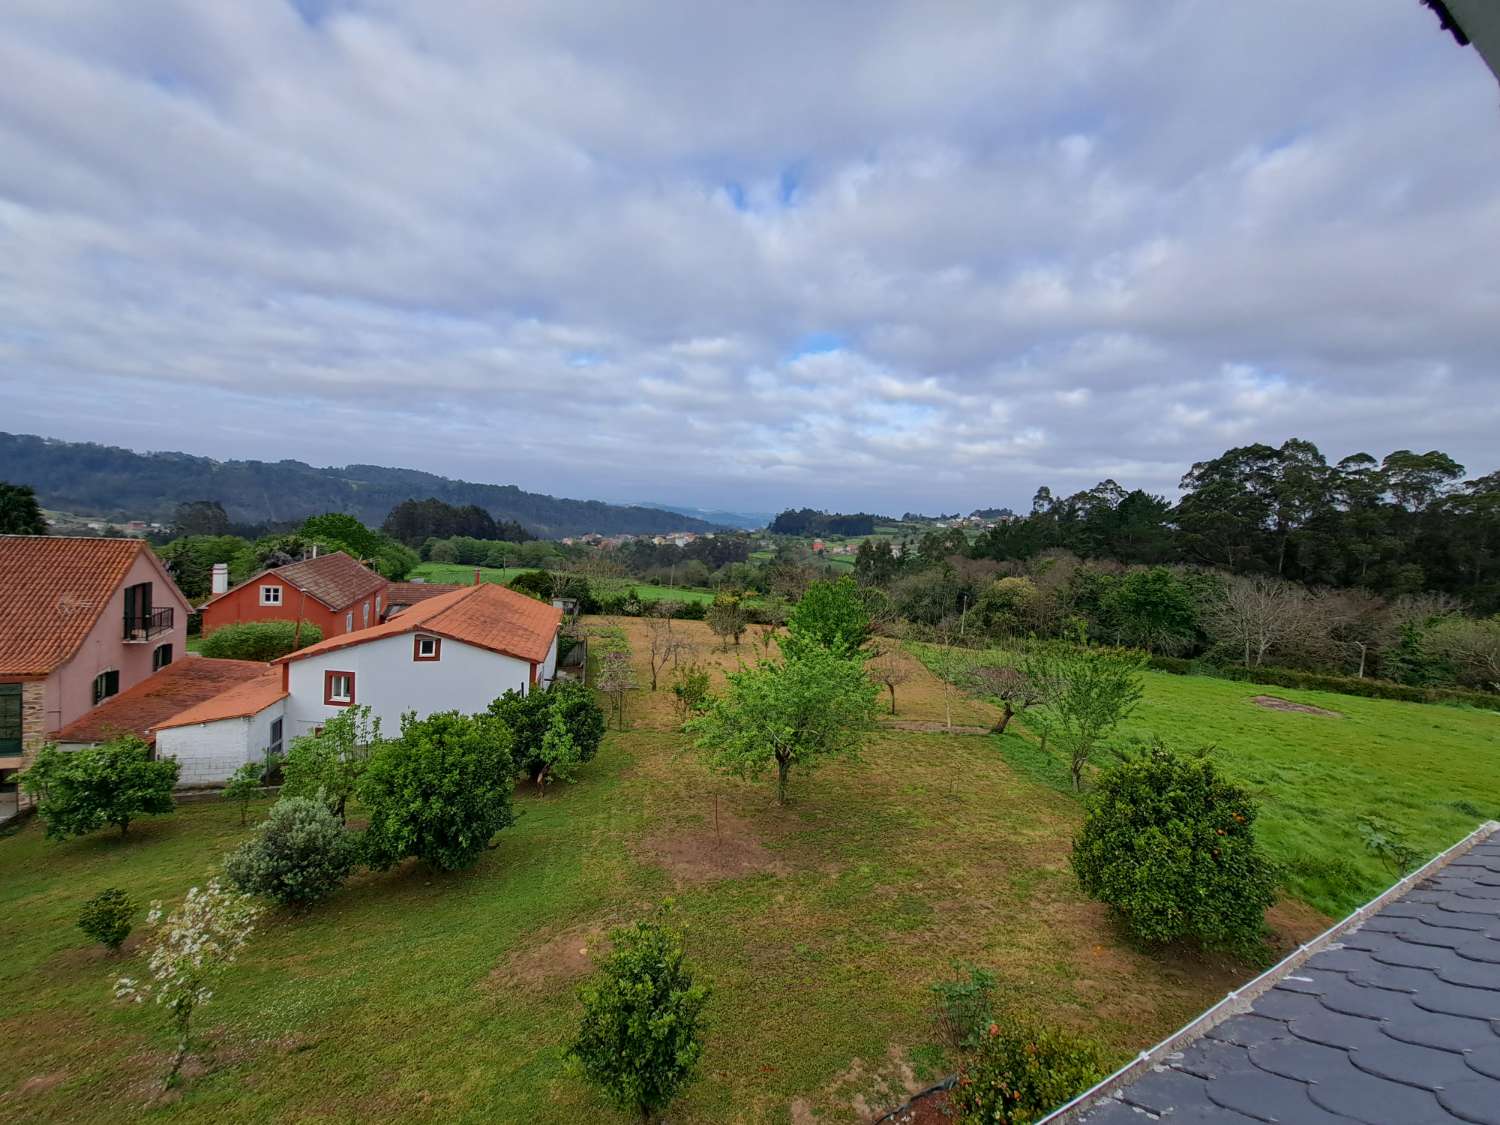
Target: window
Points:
(377, 605)
(270, 595)
(338, 688)
(10, 718)
(161, 657)
(349, 622)
(366, 615)
(137, 609)
(106, 684)
(273, 744)
(426, 648)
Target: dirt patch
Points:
(932, 1108)
(925, 726)
(39, 1084)
(566, 956)
(68, 961)
(1292, 923)
(708, 852)
(1276, 703)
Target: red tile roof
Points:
(183, 684)
(487, 616)
(55, 587)
(335, 579)
(249, 698)
(410, 593)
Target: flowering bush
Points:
(1020, 1072)
(189, 948)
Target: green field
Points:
(414, 996)
(457, 572)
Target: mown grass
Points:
(412, 996)
(1430, 771)
(463, 575)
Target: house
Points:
(1392, 1015)
(457, 651)
(81, 621)
(216, 736)
(333, 591)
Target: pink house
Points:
(81, 620)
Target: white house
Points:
(454, 652)
(214, 738)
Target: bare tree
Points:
(1015, 690)
(606, 578)
(727, 617)
(889, 670)
(616, 678)
(1256, 615)
(773, 615)
(662, 647)
(1472, 647)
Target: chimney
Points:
(476, 576)
(220, 579)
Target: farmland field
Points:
(459, 573)
(413, 996)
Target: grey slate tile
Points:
(1249, 1030)
(1363, 1097)
(1412, 1065)
(1269, 1098)
(1472, 1101)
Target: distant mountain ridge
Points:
(110, 482)
(746, 521)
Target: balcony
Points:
(140, 628)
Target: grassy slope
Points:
(457, 572)
(413, 996)
(1431, 771)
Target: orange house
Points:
(334, 592)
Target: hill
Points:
(118, 483)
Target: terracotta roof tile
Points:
(183, 684)
(55, 589)
(487, 616)
(335, 579)
(249, 698)
(410, 593)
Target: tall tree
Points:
(20, 514)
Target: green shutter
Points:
(10, 718)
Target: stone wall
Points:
(33, 728)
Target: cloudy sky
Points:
(879, 255)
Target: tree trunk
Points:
(892, 688)
(783, 767)
(124, 827)
(1003, 721)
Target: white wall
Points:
(210, 752)
(390, 682)
(549, 666)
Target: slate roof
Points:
(55, 588)
(334, 579)
(184, 683)
(488, 616)
(1395, 1022)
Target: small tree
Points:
(832, 615)
(1170, 846)
(1088, 691)
(1015, 690)
(617, 679)
(662, 647)
(727, 617)
(890, 671)
(20, 514)
(641, 1037)
(795, 713)
(773, 616)
(530, 716)
(299, 855)
(954, 668)
(690, 690)
(245, 785)
(79, 791)
(190, 947)
(559, 753)
(440, 792)
(330, 764)
(107, 918)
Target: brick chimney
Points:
(477, 579)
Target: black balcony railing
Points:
(143, 627)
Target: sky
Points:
(878, 256)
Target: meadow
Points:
(464, 575)
(414, 996)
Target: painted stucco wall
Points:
(549, 666)
(69, 690)
(390, 682)
(210, 752)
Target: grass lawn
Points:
(412, 996)
(457, 572)
(1432, 772)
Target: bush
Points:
(298, 855)
(1022, 1071)
(640, 1040)
(533, 583)
(439, 792)
(964, 1006)
(79, 791)
(529, 716)
(691, 687)
(1170, 846)
(259, 640)
(1365, 687)
(245, 785)
(106, 918)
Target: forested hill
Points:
(117, 483)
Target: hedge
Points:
(259, 640)
(1317, 681)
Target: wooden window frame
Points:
(328, 697)
(104, 675)
(416, 648)
(277, 602)
(157, 664)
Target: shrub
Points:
(79, 791)
(244, 785)
(533, 583)
(299, 855)
(1022, 1071)
(640, 1039)
(107, 917)
(1170, 846)
(529, 716)
(439, 792)
(259, 640)
(964, 1005)
(691, 684)
(329, 764)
